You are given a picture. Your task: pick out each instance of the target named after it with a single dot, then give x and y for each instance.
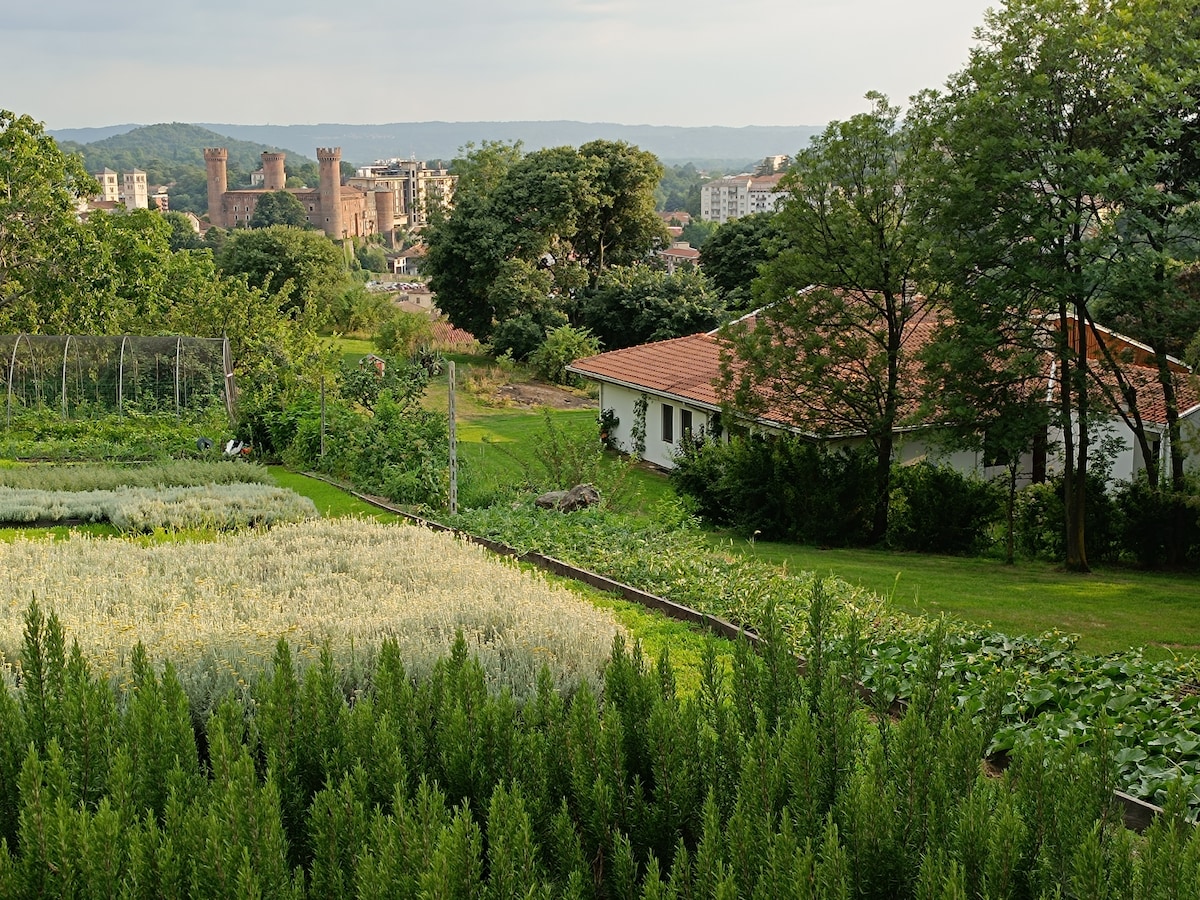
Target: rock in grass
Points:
(579, 497)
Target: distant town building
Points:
(413, 186)
(129, 190)
(679, 255)
(739, 195)
(110, 186)
(134, 192)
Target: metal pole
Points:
(66, 347)
(453, 446)
(121, 380)
(322, 415)
(178, 354)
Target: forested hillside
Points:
(173, 155)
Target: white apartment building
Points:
(735, 196)
(413, 187)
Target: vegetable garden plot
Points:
(86, 375)
(216, 609)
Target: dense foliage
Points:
(764, 785)
(1050, 693)
(370, 430)
(528, 231)
(637, 304)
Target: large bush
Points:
(1158, 527)
(937, 509)
(1041, 521)
(779, 487)
(562, 346)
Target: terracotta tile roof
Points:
(683, 367)
(687, 369)
(684, 252)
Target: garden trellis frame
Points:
(85, 375)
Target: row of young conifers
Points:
(333, 781)
(434, 723)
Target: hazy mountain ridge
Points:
(361, 144)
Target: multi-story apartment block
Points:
(414, 187)
(739, 195)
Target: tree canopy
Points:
(529, 231)
(279, 208)
(635, 304)
(302, 269)
(1068, 174)
(831, 347)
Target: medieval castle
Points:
(375, 201)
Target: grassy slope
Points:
(1111, 610)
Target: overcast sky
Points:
(76, 63)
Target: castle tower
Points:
(330, 159)
(385, 216)
(274, 176)
(215, 159)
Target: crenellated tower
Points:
(274, 174)
(330, 159)
(215, 161)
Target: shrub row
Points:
(217, 507)
(788, 489)
(784, 488)
(764, 786)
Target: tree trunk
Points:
(1074, 384)
(883, 487)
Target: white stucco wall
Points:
(622, 401)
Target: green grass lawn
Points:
(1109, 609)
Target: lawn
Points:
(1110, 610)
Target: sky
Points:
(76, 63)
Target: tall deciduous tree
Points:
(302, 269)
(528, 232)
(830, 348)
(279, 208)
(1065, 139)
(43, 246)
(635, 304)
(732, 255)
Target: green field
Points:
(1111, 609)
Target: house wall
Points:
(623, 402)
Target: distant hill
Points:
(174, 143)
(173, 155)
(714, 146)
(90, 135)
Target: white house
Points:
(662, 390)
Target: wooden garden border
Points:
(1137, 813)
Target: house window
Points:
(668, 423)
(685, 422)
